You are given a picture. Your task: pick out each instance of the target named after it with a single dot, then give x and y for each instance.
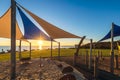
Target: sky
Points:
(90, 18)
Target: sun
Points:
(40, 44)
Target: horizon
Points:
(36, 43)
(6, 48)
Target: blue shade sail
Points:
(30, 29)
(51, 29)
(116, 32)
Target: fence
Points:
(99, 62)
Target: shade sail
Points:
(52, 30)
(116, 32)
(30, 29)
(5, 26)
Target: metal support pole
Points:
(112, 50)
(20, 50)
(30, 49)
(51, 48)
(13, 40)
(59, 50)
(90, 56)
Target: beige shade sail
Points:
(5, 26)
(53, 31)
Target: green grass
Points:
(46, 53)
(38, 53)
(105, 52)
(4, 57)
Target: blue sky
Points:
(92, 18)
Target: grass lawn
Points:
(46, 53)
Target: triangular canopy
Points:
(52, 30)
(5, 26)
(30, 29)
(116, 32)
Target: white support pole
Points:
(90, 56)
(112, 50)
(13, 40)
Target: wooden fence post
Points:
(86, 58)
(90, 56)
(112, 50)
(74, 59)
(101, 56)
(98, 55)
(13, 40)
(96, 60)
(116, 62)
(77, 50)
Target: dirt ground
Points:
(36, 69)
(104, 64)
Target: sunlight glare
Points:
(40, 44)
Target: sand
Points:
(36, 69)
